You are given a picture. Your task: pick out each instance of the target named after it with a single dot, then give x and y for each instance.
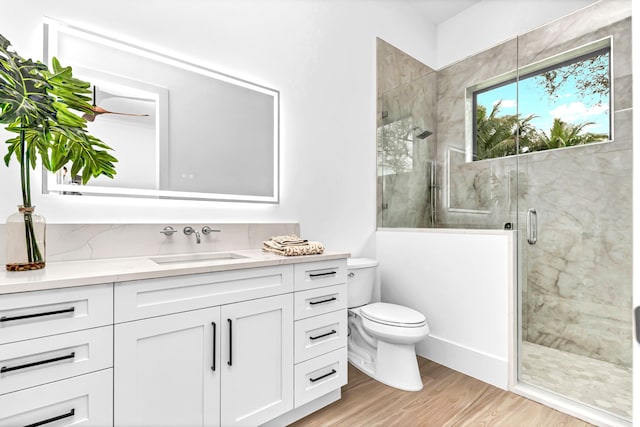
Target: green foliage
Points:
(496, 135)
(36, 103)
(590, 76)
(564, 134)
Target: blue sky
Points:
(568, 106)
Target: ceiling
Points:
(437, 11)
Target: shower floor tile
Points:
(593, 382)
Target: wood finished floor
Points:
(448, 398)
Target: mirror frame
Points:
(53, 27)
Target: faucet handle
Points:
(168, 230)
(206, 230)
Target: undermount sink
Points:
(201, 257)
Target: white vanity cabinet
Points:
(229, 364)
(56, 353)
(244, 346)
(320, 329)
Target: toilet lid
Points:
(392, 314)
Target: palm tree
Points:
(563, 134)
(496, 135)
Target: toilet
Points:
(382, 336)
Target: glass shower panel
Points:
(477, 191)
(575, 213)
(405, 155)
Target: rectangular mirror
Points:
(178, 129)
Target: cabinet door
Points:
(167, 370)
(257, 375)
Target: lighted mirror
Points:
(179, 130)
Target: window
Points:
(557, 105)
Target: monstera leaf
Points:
(23, 88)
(38, 105)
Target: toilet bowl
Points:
(382, 336)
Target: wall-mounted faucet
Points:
(189, 230)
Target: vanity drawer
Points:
(310, 275)
(37, 314)
(142, 299)
(320, 301)
(29, 363)
(84, 400)
(319, 376)
(318, 335)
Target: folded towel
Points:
(289, 239)
(291, 245)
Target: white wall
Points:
(490, 22)
(461, 280)
(321, 57)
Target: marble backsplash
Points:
(70, 242)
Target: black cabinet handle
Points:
(323, 301)
(329, 273)
(230, 361)
(323, 335)
(213, 365)
(71, 413)
(29, 316)
(41, 362)
(313, 380)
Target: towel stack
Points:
(291, 245)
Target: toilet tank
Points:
(361, 278)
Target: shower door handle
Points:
(532, 226)
(636, 313)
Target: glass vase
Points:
(25, 232)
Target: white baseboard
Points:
(482, 366)
(304, 410)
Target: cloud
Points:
(507, 103)
(576, 112)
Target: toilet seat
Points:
(393, 315)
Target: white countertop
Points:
(63, 274)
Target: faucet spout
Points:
(190, 230)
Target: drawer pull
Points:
(213, 364)
(29, 316)
(71, 413)
(323, 301)
(230, 361)
(323, 335)
(313, 380)
(40, 362)
(328, 273)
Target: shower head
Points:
(420, 133)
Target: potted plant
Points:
(37, 105)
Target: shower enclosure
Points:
(568, 195)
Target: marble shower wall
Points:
(407, 96)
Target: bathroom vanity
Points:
(238, 338)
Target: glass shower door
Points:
(575, 213)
